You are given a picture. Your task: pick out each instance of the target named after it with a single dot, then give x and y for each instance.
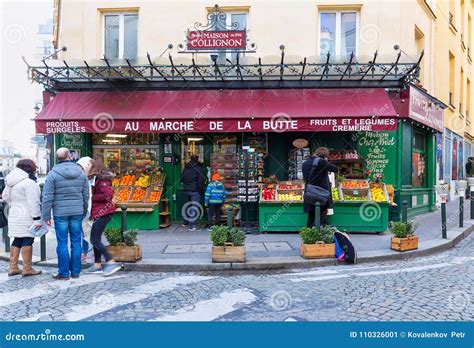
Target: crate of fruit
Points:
(153, 194)
(138, 194)
(122, 194)
(290, 185)
(378, 192)
(354, 184)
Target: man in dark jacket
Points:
(66, 193)
(319, 178)
(193, 180)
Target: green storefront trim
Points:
(138, 220)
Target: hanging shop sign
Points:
(216, 40)
(339, 124)
(424, 110)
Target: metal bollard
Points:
(444, 230)
(123, 226)
(317, 215)
(461, 211)
(6, 239)
(230, 216)
(470, 182)
(405, 211)
(43, 238)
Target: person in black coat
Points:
(193, 180)
(319, 178)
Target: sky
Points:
(19, 22)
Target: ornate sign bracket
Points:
(217, 35)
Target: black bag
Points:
(313, 193)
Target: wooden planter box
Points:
(228, 253)
(125, 253)
(404, 244)
(318, 251)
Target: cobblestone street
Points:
(437, 287)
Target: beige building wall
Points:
(295, 23)
(453, 37)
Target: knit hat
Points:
(85, 163)
(216, 177)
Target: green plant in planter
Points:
(223, 234)
(114, 236)
(403, 229)
(313, 235)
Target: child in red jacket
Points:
(103, 207)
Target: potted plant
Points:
(227, 244)
(122, 245)
(317, 242)
(404, 238)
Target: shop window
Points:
(120, 35)
(338, 33)
(231, 17)
(125, 153)
(419, 160)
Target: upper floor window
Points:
(232, 17)
(339, 32)
(120, 35)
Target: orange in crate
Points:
(138, 195)
(154, 196)
(123, 194)
(127, 180)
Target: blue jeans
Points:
(66, 226)
(191, 213)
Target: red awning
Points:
(219, 111)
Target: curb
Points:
(426, 248)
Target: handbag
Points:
(313, 193)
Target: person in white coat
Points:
(22, 194)
(86, 163)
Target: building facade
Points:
(371, 33)
(453, 84)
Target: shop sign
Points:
(424, 110)
(216, 40)
(72, 140)
(338, 124)
(300, 143)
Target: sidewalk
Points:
(176, 248)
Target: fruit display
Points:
(156, 179)
(138, 195)
(123, 194)
(378, 194)
(154, 196)
(335, 194)
(390, 192)
(290, 185)
(355, 184)
(127, 180)
(268, 194)
(116, 182)
(143, 181)
(292, 196)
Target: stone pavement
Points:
(433, 288)
(177, 244)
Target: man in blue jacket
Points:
(66, 193)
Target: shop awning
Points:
(219, 111)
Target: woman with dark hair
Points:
(103, 207)
(318, 177)
(22, 194)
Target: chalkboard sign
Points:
(379, 150)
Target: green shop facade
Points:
(152, 118)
